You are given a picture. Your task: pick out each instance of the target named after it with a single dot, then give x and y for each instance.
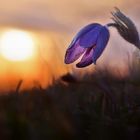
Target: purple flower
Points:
(89, 42)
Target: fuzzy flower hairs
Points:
(92, 39)
(126, 27)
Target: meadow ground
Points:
(99, 107)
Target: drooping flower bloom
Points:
(89, 42)
(93, 38)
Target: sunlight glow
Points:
(16, 45)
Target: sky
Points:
(54, 23)
(58, 15)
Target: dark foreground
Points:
(97, 108)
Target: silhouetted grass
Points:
(99, 107)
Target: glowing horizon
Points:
(52, 25)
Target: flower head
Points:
(89, 42)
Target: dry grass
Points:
(100, 107)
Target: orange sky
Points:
(54, 23)
(59, 15)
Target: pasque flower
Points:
(91, 40)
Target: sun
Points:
(16, 45)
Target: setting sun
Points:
(16, 45)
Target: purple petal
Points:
(101, 43)
(73, 53)
(82, 32)
(89, 39)
(86, 59)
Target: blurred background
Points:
(43, 98)
(51, 25)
